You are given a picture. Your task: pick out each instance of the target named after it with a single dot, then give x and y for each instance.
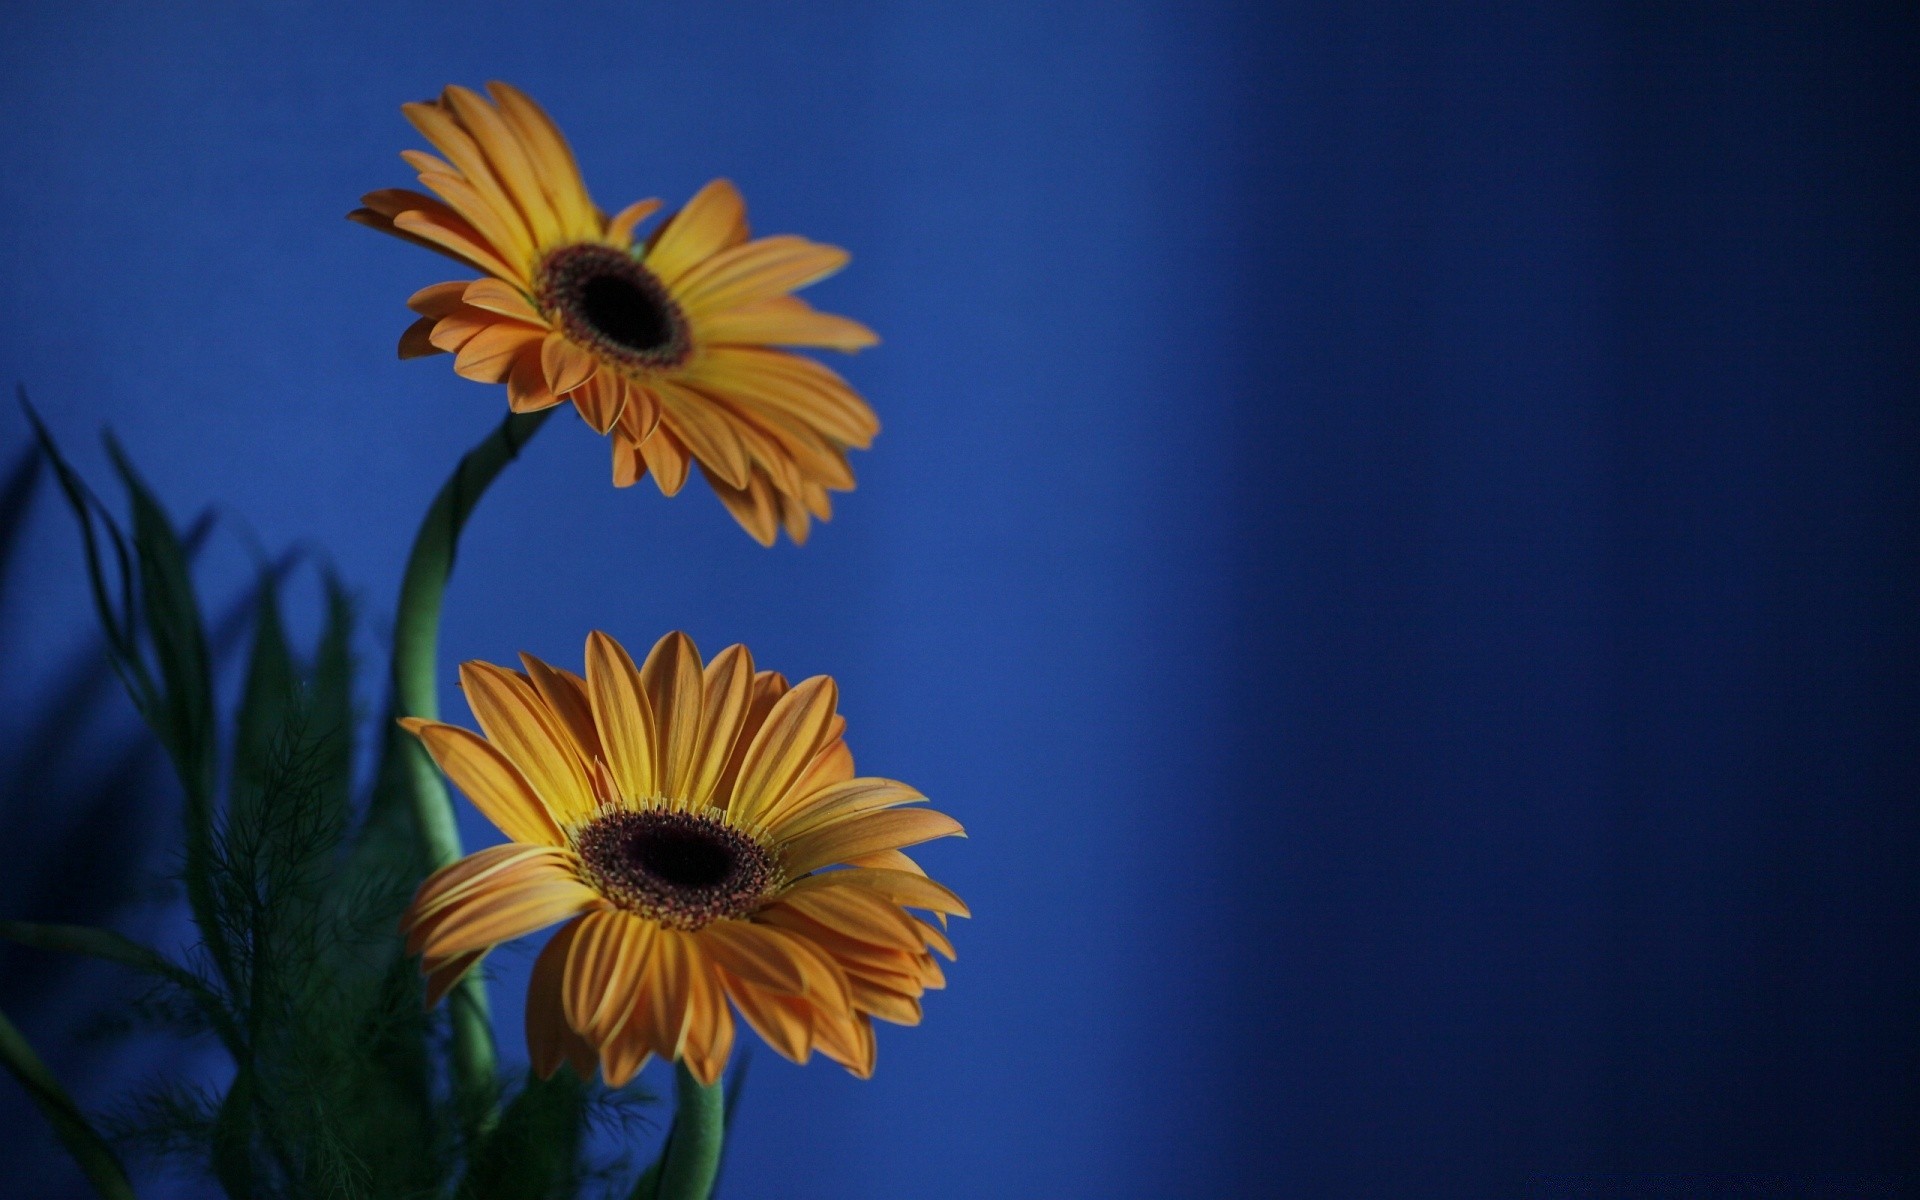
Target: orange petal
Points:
(756, 271)
(529, 734)
(800, 387)
(803, 812)
(600, 400)
(511, 902)
(567, 365)
(890, 830)
(752, 953)
(566, 694)
(458, 238)
(552, 159)
(628, 465)
(444, 973)
(501, 297)
(527, 384)
(714, 219)
(753, 508)
(726, 693)
(603, 971)
(668, 459)
(622, 714)
(620, 229)
(641, 416)
(780, 751)
(783, 1022)
(706, 430)
(671, 678)
(493, 784)
(501, 228)
(440, 299)
(909, 889)
(439, 125)
(859, 914)
(783, 321)
(489, 354)
(509, 162)
(550, 1040)
(768, 687)
(417, 341)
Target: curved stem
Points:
(692, 1160)
(416, 680)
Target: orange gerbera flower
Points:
(682, 821)
(674, 347)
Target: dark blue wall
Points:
(1395, 529)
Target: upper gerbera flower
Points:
(673, 347)
(683, 821)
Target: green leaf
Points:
(113, 947)
(114, 605)
(266, 702)
(333, 717)
(169, 613)
(534, 1151)
(86, 1146)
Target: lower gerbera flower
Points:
(700, 831)
(678, 348)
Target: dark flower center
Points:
(608, 302)
(682, 869)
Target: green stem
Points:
(416, 683)
(692, 1161)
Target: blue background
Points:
(1395, 529)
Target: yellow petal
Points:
(494, 784)
(522, 728)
